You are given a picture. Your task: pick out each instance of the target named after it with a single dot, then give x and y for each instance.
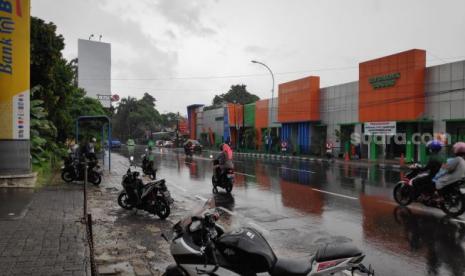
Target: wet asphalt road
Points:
(302, 205)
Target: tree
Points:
(169, 120)
(236, 94)
(56, 101)
(133, 118)
(62, 100)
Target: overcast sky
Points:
(186, 51)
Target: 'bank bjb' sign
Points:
(14, 69)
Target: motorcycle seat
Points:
(338, 251)
(291, 267)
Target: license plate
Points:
(230, 175)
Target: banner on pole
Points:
(14, 69)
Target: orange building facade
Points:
(394, 95)
(392, 88)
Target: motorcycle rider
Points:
(453, 170)
(433, 166)
(148, 156)
(225, 160)
(188, 148)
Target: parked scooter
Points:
(73, 170)
(152, 197)
(148, 165)
(223, 179)
(449, 199)
(200, 246)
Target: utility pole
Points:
(272, 103)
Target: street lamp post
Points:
(272, 103)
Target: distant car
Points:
(159, 143)
(115, 144)
(196, 144)
(168, 144)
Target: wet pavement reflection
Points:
(301, 205)
(14, 202)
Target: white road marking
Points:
(297, 170)
(227, 211)
(259, 228)
(458, 220)
(251, 175)
(176, 186)
(335, 194)
(201, 198)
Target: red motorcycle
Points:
(449, 199)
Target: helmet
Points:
(94, 140)
(434, 146)
(459, 148)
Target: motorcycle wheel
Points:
(67, 176)
(403, 194)
(123, 199)
(95, 179)
(162, 208)
(454, 204)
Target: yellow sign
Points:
(14, 69)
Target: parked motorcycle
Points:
(449, 199)
(152, 197)
(200, 246)
(73, 170)
(148, 165)
(220, 179)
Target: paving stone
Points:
(49, 239)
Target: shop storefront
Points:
(418, 103)
(299, 112)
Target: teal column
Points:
(373, 149)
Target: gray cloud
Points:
(186, 15)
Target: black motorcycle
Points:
(152, 197)
(449, 199)
(200, 246)
(221, 179)
(148, 166)
(74, 170)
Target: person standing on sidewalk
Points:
(329, 150)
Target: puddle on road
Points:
(14, 202)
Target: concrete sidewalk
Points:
(49, 238)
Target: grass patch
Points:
(46, 173)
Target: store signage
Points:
(14, 69)
(380, 128)
(384, 81)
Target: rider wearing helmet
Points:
(453, 170)
(422, 182)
